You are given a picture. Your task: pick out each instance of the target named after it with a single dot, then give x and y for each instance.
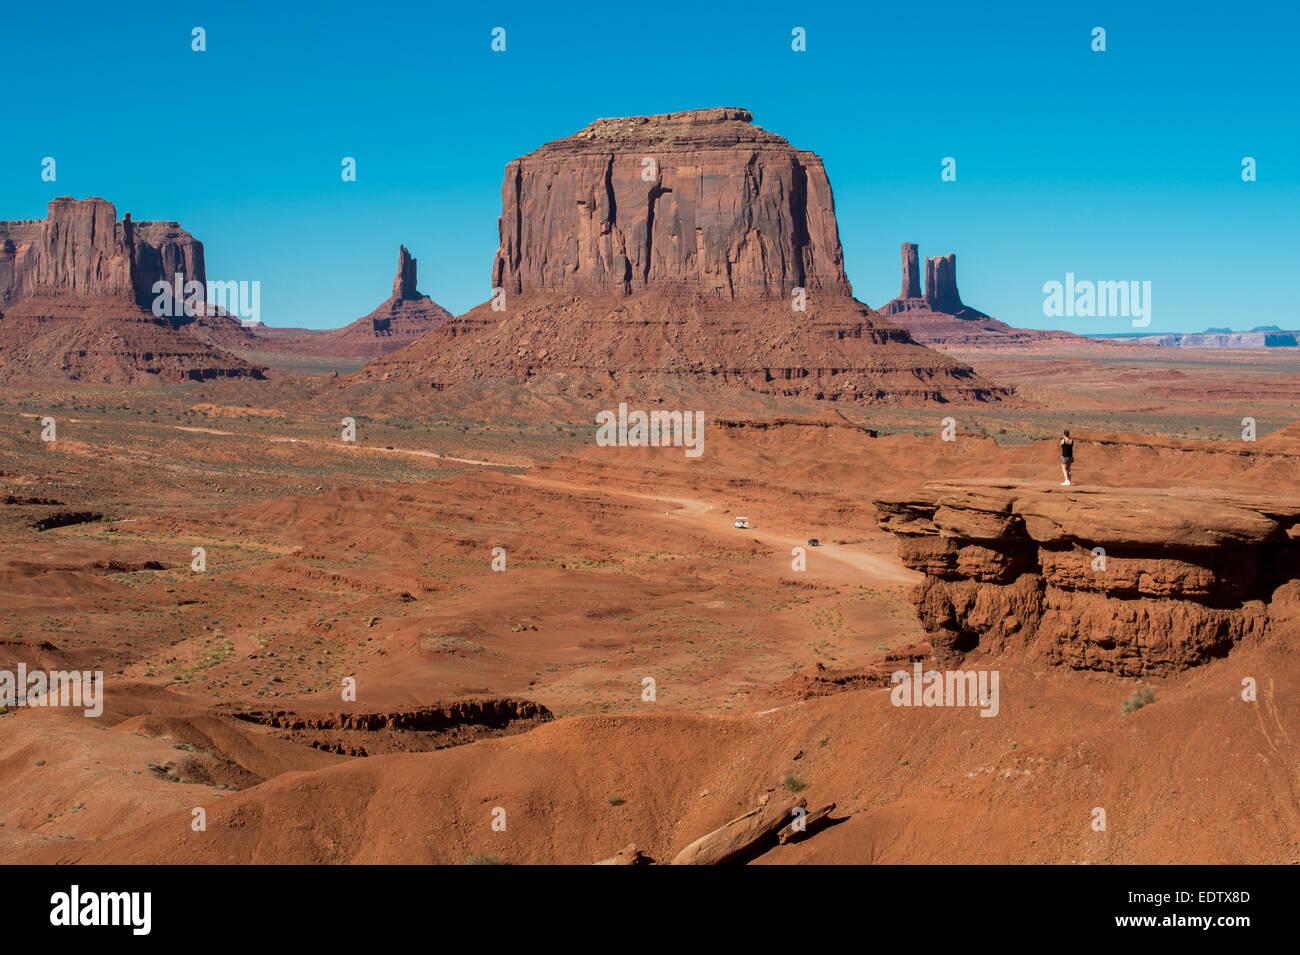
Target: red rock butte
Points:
(937, 316)
(81, 248)
(401, 319)
(76, 288)
(674, 248)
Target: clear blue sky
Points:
(1123, 165)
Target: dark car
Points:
(814, 542)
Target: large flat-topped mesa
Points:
(660, 254)
(701, 200)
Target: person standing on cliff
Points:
(1067, 457)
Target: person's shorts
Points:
(1065, 460)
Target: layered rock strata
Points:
(1126, 580)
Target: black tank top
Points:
(1067, 449)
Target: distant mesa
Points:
(1263, 337)
(76, 289)
(936, 316)
(671, 248)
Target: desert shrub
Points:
(1140, 698)
(482, 858)
(794, 783)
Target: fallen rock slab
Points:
(741, 835)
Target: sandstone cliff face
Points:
(911, 271)
(1187, 574)
(161, 251)
(83, 252)
(19, 248)
(701, 199)
(404, 282)
(81, 249)
(941, 284)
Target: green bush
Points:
(1140, 698)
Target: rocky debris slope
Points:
(836, 350)
(1127, 580)
(694, 247)
(937, 315)
(106, 341)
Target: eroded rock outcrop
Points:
(941, 285)
(911, 271)
(425, 728)
(404, 317)
(404, 282)
(670, 254)
(19, 250)
(1127, 580)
